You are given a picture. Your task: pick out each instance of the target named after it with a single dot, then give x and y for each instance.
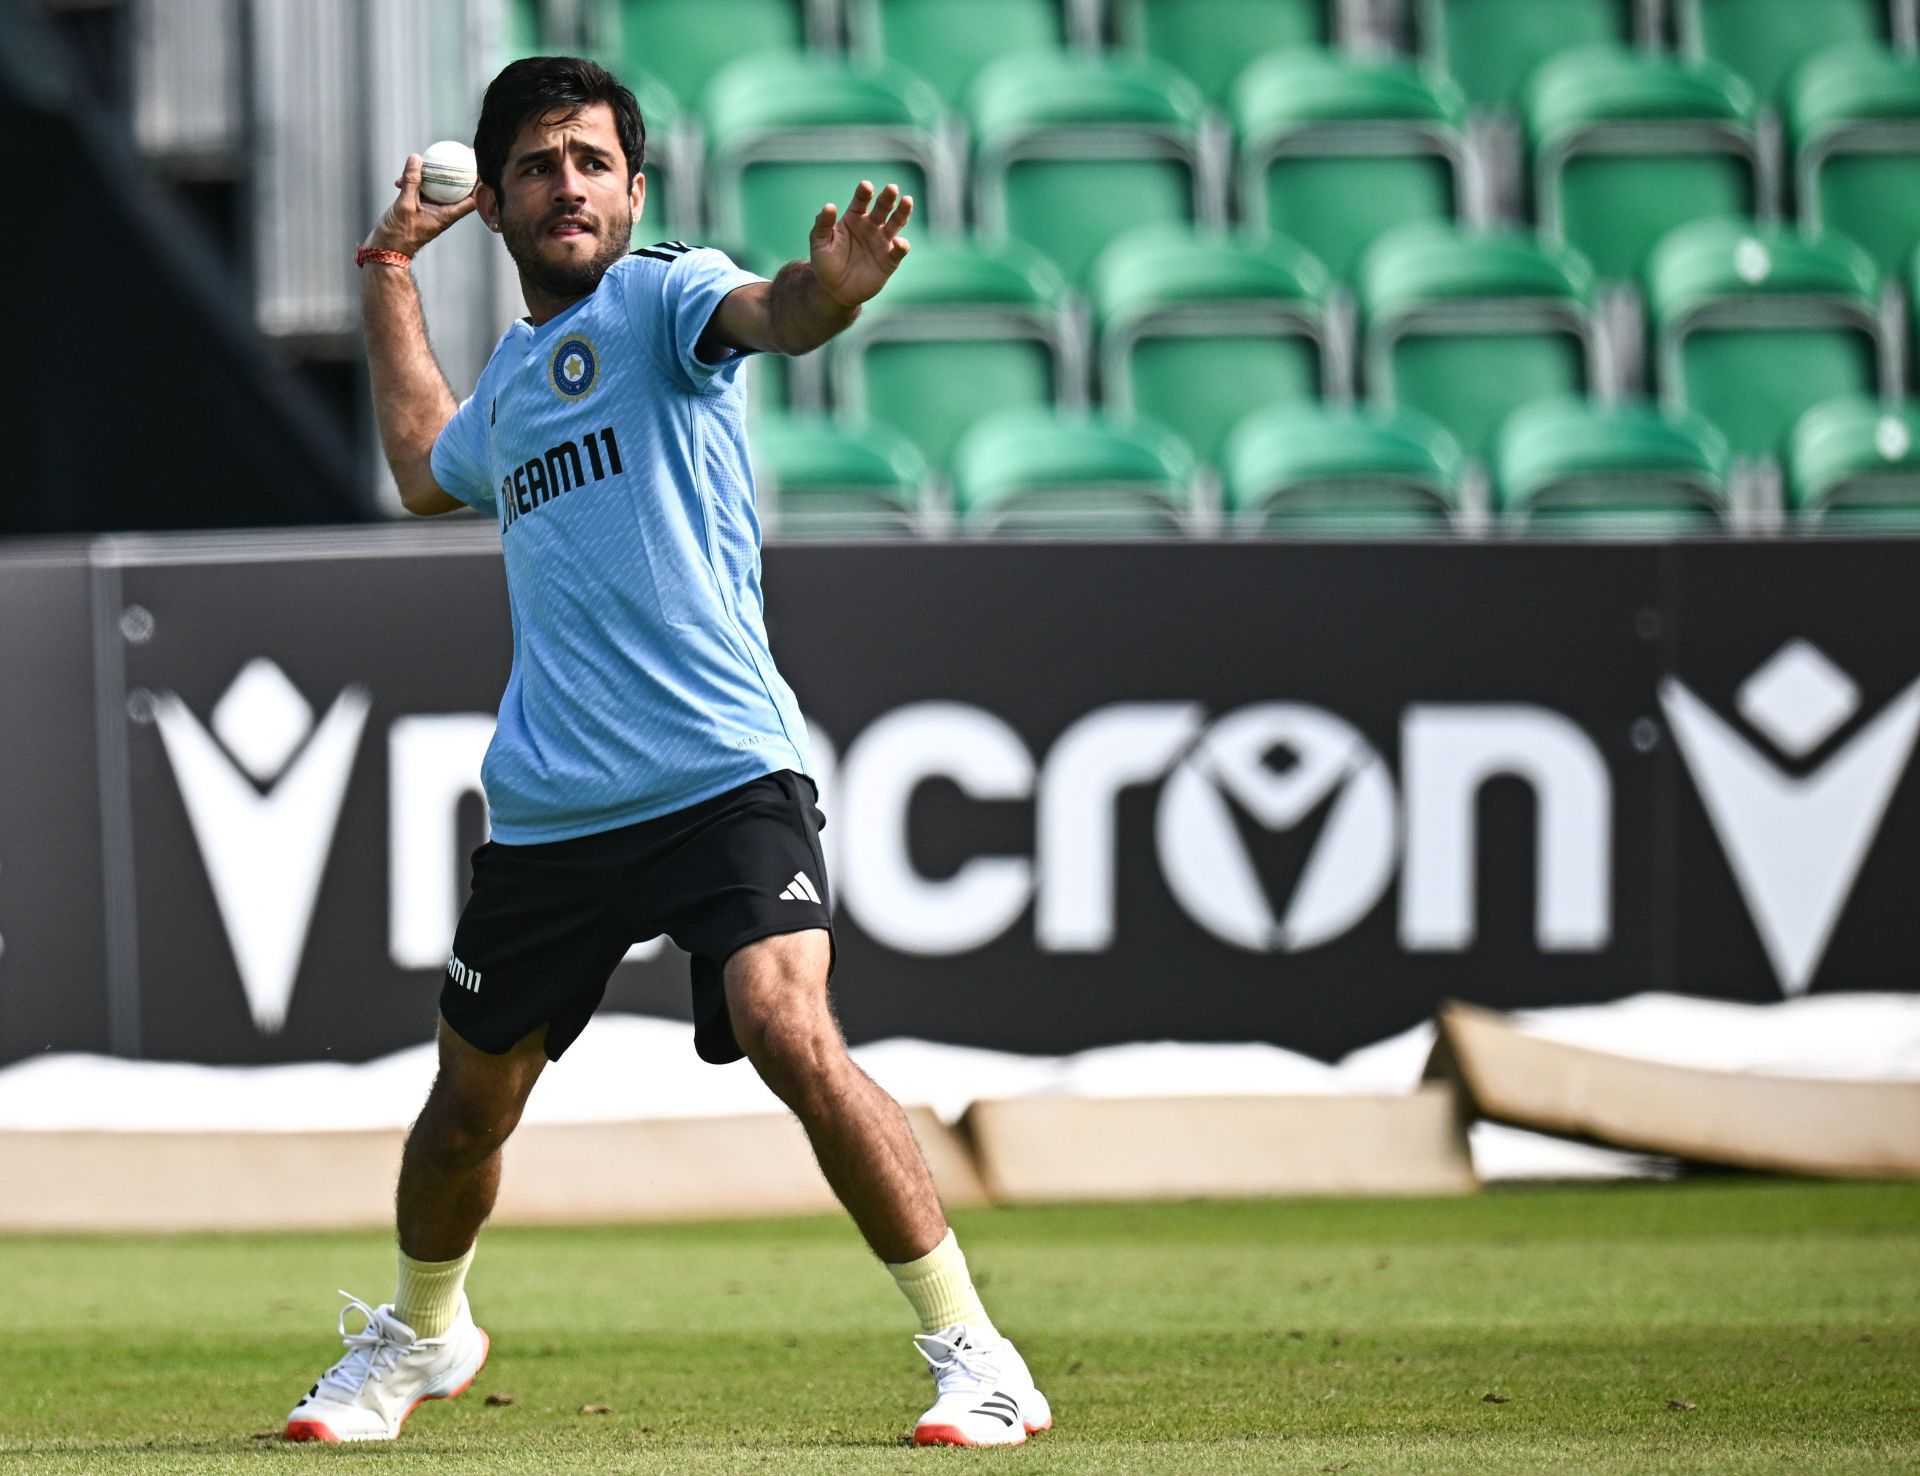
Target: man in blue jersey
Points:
(648, 774)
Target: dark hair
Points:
(537, 86)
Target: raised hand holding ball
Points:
(448, 172)
(415, 217)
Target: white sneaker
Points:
(387, 1373)
(985, 1396)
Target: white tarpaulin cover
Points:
(632, 1068)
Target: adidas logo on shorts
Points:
(800, 890)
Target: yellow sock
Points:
(429, 1293)
(942, 1293)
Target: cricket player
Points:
(648, 774)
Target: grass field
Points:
(1312, 1337)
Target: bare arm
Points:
(810, 301)
(411, 398)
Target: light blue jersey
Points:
(616, 463)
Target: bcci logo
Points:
(575, 366)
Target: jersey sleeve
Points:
(692, 287)
(459, 459)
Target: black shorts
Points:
(547, 924)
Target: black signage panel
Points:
(1076, 794)
(53, 992)
(1314, 667)
(1794, 707)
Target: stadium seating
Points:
(522, 31)
(1195, 331)
(1466, 327)
(1210, 41)
(1854, 118)
(787, 133)
(962, 330)
(771, 388)
(820, 479)
(948, 43)
(1910, 281)
(1626, 146)
(1490, 46)
(1332, 152)
(1570, 467)
(1765, 40)
(1077, 300)
(1044, 473)
(1854, 466)
(672, 194)
(1308, 469)
(1070, 151)
(687, 43)
(1753, 326)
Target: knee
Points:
(798, 1054)
(458, 1131)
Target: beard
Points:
(524, 239)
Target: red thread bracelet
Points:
(383, 256)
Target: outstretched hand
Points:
(853, 255)
(411, 222)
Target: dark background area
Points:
(141, 396)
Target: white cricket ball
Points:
(448, 172)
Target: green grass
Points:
(1306, 1336)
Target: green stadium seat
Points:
(785, 134)
(771, 387)
(948, 43)
(817, 479)
(687, 43)
(673, 198)
(963, 329)
(1196, 331)
(1466, 327)
(1754, 326)
(1210, 41)
(1313, 470)
(523, 33)
(1491, 46)
(1042, 473)
(1334, 152)
(1627, 146)
(1854, 466)
(1854, 117)
(1910, 280)
(1766, 40)
(1570, 467)
(1071, 151)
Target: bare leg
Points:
(777, 995)
(450, 1171)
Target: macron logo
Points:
(263, 792)
(800, 890)
(465, 977)
(1795, 842)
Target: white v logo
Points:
(1796, 845)
(265, 852)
